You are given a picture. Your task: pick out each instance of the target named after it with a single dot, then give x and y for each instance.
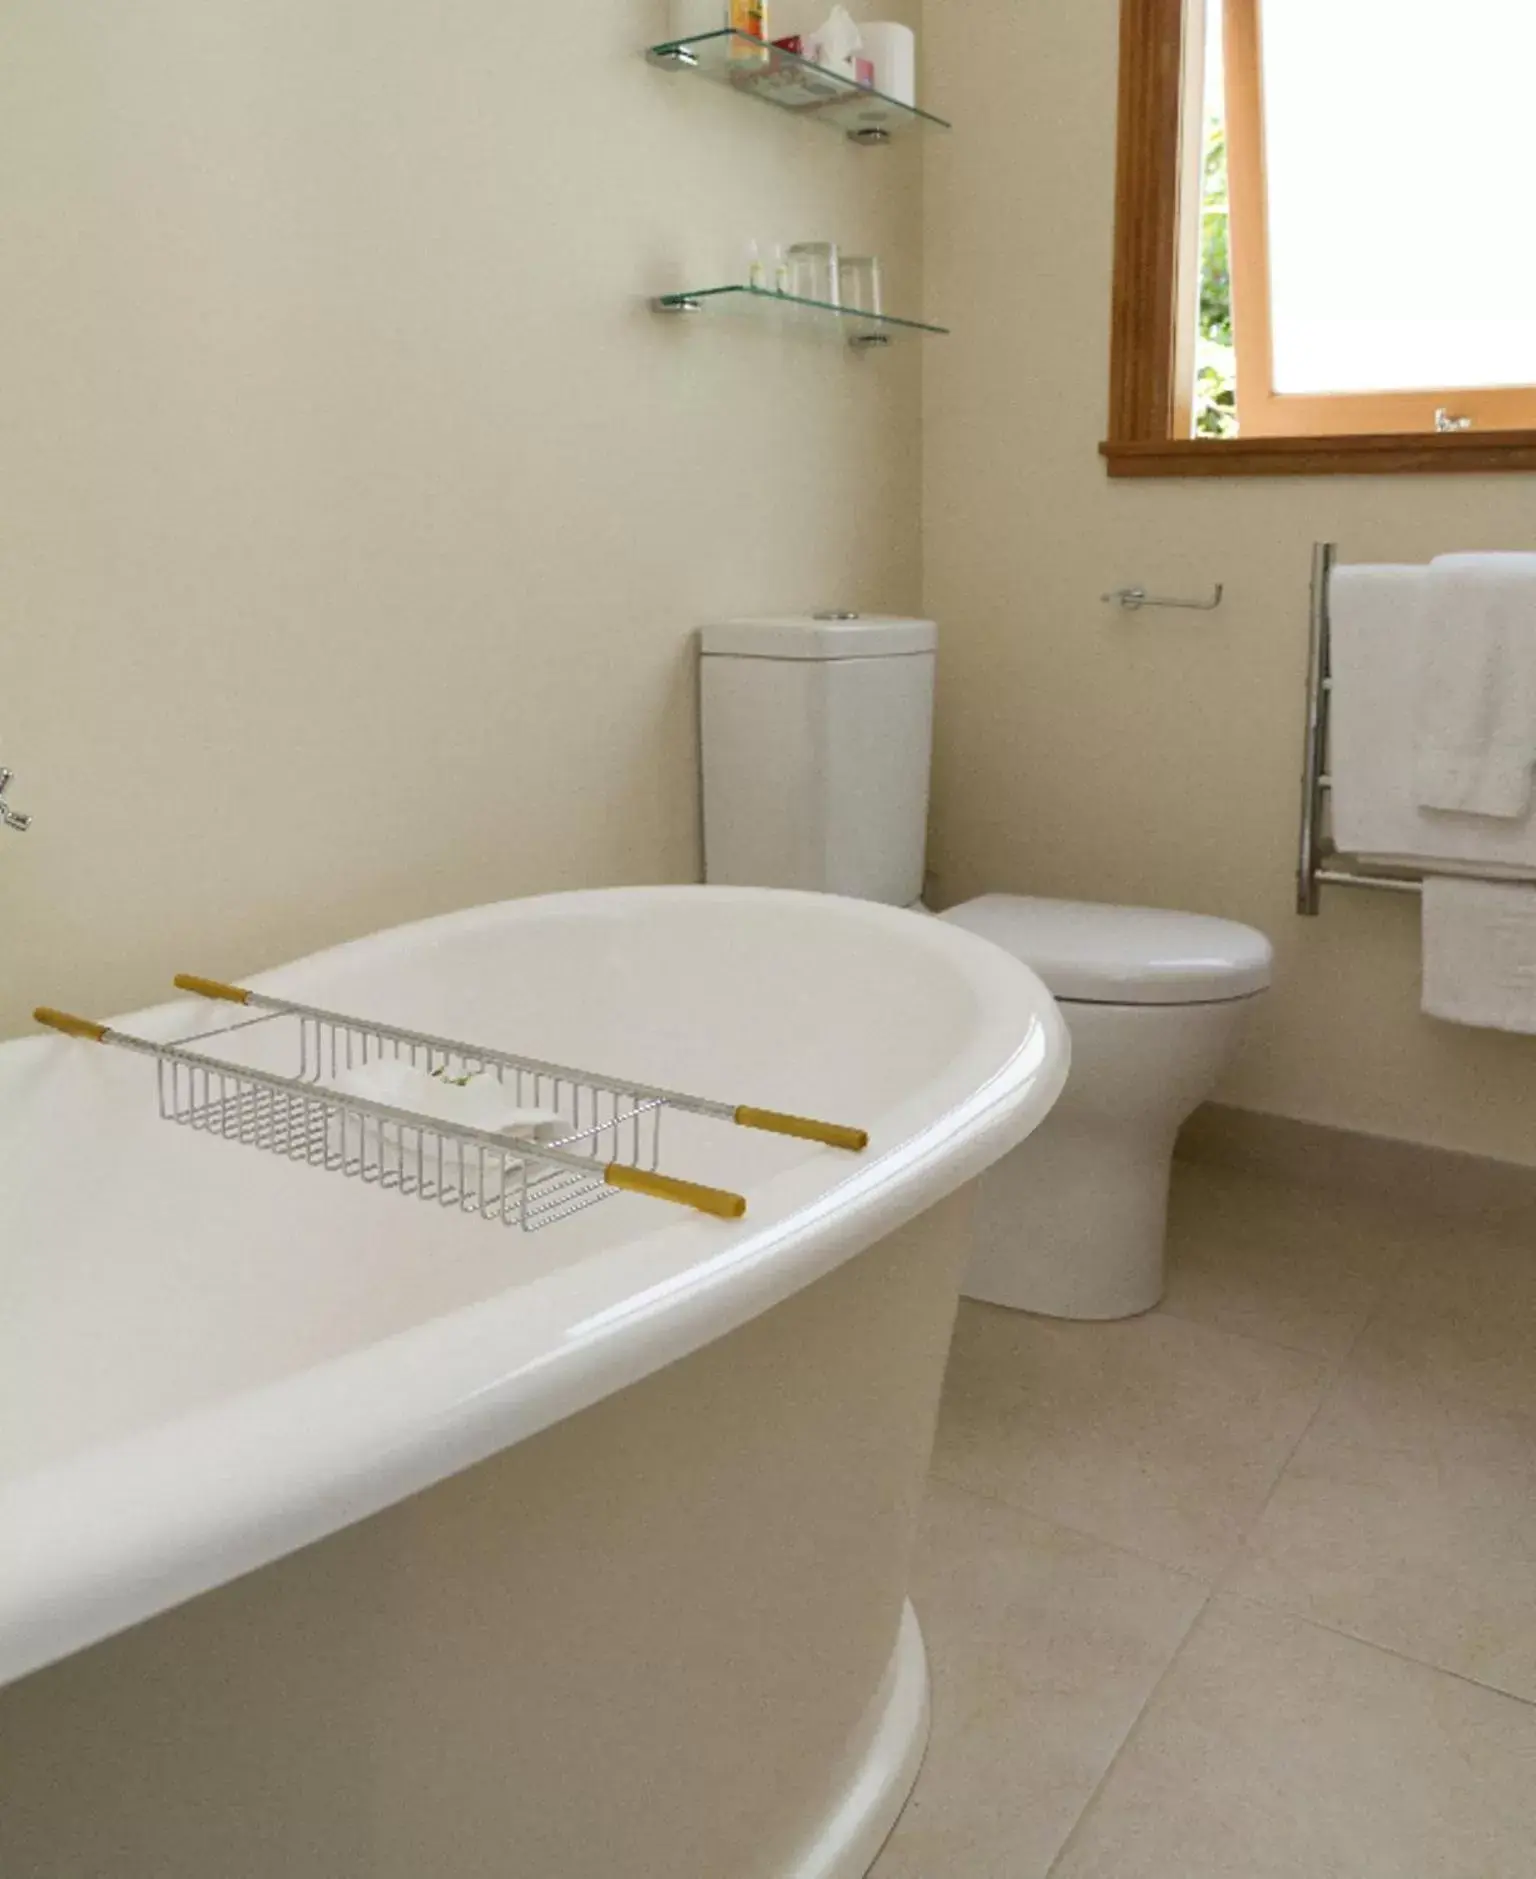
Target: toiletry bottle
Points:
(749, 30)
(780, 270)
(756, 277)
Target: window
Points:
(1381, 171)
(1323, 256)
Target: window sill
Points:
(1475, 452)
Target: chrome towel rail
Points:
(1315, 746)
(1319, 863)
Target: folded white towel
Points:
(1377, 621)
(1480, 954)
(1476, 717)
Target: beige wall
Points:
(1152, 758)
(356, 510)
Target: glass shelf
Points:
(866, 329)
(794, 84)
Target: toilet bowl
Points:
(816, 740)
(1072, 1223)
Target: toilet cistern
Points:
(817, 738)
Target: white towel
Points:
(1476, 719)
(1377, 618)
(1480, 954)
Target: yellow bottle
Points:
(749, 25)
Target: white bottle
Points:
(757, 277)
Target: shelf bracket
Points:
(869, 342)
(677, 303)
(672, 59)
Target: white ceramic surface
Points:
(804, 636)
(1091, 951)
(885, 1770)
(817, 738)
(212, 1357)
(1072, 1223)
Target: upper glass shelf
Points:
(866, 329)
(794, 84)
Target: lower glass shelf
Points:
(863, 329)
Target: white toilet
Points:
(1154, 1002)
(817, 740)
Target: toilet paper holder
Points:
(1133, 599)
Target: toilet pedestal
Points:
(1074, 1232)
(1072, 1223)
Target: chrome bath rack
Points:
(612, 1144)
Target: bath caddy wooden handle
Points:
(70, 1026)
(211, 988)
(708, 1200)
(804, 1129)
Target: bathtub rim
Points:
(129, 1529)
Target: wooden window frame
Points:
(1159, 41)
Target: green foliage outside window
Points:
(1215, 359)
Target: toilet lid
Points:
(1097, 954)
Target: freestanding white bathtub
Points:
(342, 1536)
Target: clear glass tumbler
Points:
(859, 283)
(813, 271)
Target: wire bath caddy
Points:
(611, 1127)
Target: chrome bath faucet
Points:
(9, 817)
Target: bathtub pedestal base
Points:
(884, 1767)
(655, 1639)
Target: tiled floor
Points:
(1246, 1588)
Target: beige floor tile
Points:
(1043, 1647)
(1408, 1517)
(1154, 1434)
(1461, 1315)
(1274, 1750)
(1285, 1264)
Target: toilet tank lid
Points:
(803, 636)
(1098, 954)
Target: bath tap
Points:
(9, 817)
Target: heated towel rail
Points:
(1319, 862)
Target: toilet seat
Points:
(1089, 952)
